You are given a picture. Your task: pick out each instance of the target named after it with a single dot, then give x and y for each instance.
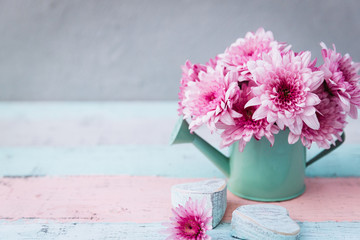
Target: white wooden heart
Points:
(213, 190)
(263, 221)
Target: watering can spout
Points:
(181, 134)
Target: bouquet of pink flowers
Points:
(259, 86)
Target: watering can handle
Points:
(326, 151)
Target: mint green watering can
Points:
(260, 172)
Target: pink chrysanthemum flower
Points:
(332, 123)
(190, 73)
(245, 126)
(342, 79)
(285, 90)
(190, 222)
(210, 99)
(249, 48)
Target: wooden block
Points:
(213, 190)
(263, 221)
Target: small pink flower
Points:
(209, 99)
(342, 79)
(249, 48)
(245, 126)
(332, 123)
(284, 91)
(190, 222)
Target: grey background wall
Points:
(132, 50)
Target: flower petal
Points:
(317, 80)
(312, 99)
(271, 117)
(242, 144)
(306, 57)
(280, 124)
(353, 113)
(296, 127)
(253, 102)
(227, 119)
(309, 111)
(260, 113)
(293, 138)
(311, 121)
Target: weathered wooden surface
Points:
(147, 160)
(50, 230)
(147, 199)
(102, 163)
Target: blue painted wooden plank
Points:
(147, 160)
(21, 230)
(30, 230)
(157, 160)
(308, 231)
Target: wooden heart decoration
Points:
(213, 190)
(263, 221)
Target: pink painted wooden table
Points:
(104, 171)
